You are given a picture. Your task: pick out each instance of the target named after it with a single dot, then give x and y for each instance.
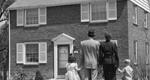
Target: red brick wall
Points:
(66, 19)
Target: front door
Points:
(63, 52)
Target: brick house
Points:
(44, 32)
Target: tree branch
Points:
(3, 19)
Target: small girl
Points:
(127, 70)
(72, 69)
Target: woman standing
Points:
(108, 55)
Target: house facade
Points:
(44, 32)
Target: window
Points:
(146, 20)
(135, 14)
(135, 44)
(147, 52)
(31, 52)
(99, 11)
(31, 17)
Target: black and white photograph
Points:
(74, 39)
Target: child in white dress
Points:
(127, 70)
(72, 69)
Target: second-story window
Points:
(146, 20)
(31, 17)
(99, 11)
(135, 14)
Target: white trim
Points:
(9, 50)
(147, 52)
(56, 43)
(143, 4)
(63, 34)
(85, 20)
(30, 25)
(146, 20)
(136, 51)
(135, 15)
(29, 63)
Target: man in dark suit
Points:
(90, 50)
(109, 58)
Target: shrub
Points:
(38, 76)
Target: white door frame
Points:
(61, 39)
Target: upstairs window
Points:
(31, 17)
(146, 20)
(99, 11)
(135, 14)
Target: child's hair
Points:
(127, 61)
(71, 58)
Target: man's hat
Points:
(91, 33)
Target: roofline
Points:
(48, 5)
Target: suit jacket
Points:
(89, 51)
(108, 53)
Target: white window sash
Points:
(97, 21)
(31, 25)
(34, 63)
(25, 57)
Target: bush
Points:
(38, 76)
(19, 74)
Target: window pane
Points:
(99, 10)
(32, 52)
(31, 16)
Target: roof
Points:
(62, 36)
(19, 4)
(144, 4)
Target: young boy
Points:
(127, 70)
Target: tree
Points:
(4, 37)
